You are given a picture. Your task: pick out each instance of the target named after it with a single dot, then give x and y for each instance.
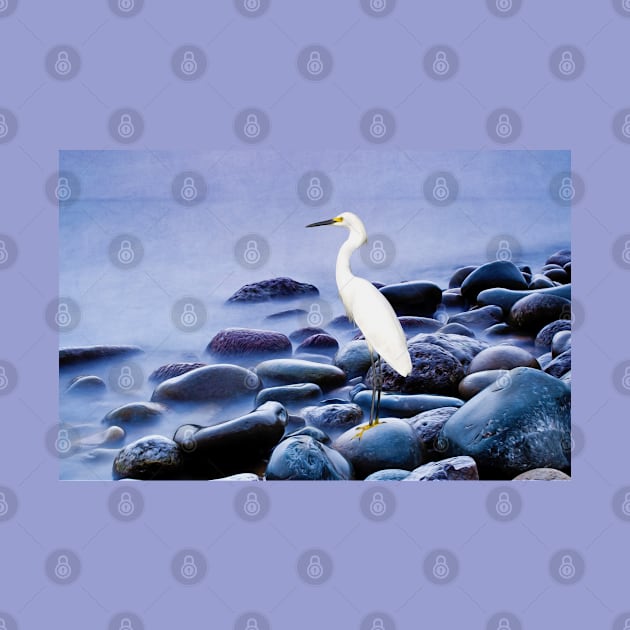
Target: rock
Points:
(460, 468)
(212, 382)
(560, 365)
(287, 314)
(566, 377)
(249, 343)
(405, 405)
(273, 289)
(414, 325)
(461, 347)
(560, 343)
(472, 384)
(497, 274)
(428, 426)
(456, 329)
(86, 385)
(502, 357)
(389, 474)
(319, 344)
(289, 371)
(290, 395)
(354, 358)
(561, 257)
(504, 333)
(460, 275)
(111, 435)
(545, 336)
(544, 360)
(413, 298)
(150, 457)
(340, 322)
(516, 424)
(567, 268)
(135, 412)
(240, 477)
(478, 318)
(316, 358)
(85, 354)
(333, 417)
(305, 458)
(434, 371)
(299, 335)
(557, 275)
(453, 299)
(164, 372)
(534, 311)
(389, 444)
(540, 281)
(314, 432)
(542, 474)
(234, 445)
(505, 298)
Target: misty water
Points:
(195, 253)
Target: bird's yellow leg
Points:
(373, 416)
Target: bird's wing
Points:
(377, 320)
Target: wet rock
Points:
(502, 357)
(240, 477)
(164, 372)
(479, 318)
(542, 474)
(305, 458)
(289, 371)
(290, 395)
(428, 426)
(456, 329)
(299, 335)
(461, 347)
(561, 257)
(544, 360)
(314, 432)
(249, 343)
(354, 358)
(340, 322)
(333, 417)
(286, 314)
(135, 412)
(92, 385)
(460, 275)
(560, 365)
(540, 281)
(389, 444)
(534, 311)
(453, 299)
(413, 298)
(316, 358)
(273, 289)
(212, 382)
(86, 354)
(557, 275)
(504, 333)
(506, 298)
(414, 325)
(319, 344)
(472, 384)
(405, 405)
(547, 333)
(516, 424)
(111, 435)
(497, 274)
(461, 468)
(560, 343)
(389, 474)
(150, 457)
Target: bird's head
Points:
(348, 220)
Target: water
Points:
(189, 252)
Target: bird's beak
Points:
(327, 222)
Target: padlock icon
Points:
(189, 568)
(315, 317)
(504, 381)
(504, 624)
(378, 507)
(252, 504)
(63, 443)
(252, 5)
(566, 570)
(125, 378)
(126, 127)
(504, 126)
(503, 251)
(4, 379)
(188, 443)
(315, 65)
(125, 505)
(625, 128)
(566, 190)
(315, 191)
(377, 624)
(625, 381)
(251, 624)
(126, 255)
(63, 192)
(378, 255)
(625, 254)
(504, 5)
(625, 506)
(4, 254)
(62, 316)
(377, 127)
(378, 5)
(189, 64)
(567, 63)
(504, 505)
(440, 189)
(189, 190)
(63, 66)
(440, 568)
(63, 570)
(252, 126)
(4, 128)
(4, 506)
(315, 570)
(125, 624)
(252, 253)
(126, 5)
(441, 66)
(189, 317)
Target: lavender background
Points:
(127, 567)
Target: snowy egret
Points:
(369, 309)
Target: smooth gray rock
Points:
(354, 358)
(502, 357)
(461, 468)
(405, 405)
(290, 395)
(506, 298)
(542, 474)
(534, 311)
(249, 343)
(273, 289)
(289, 371)
(478, 318)
(86, 354)
(150, 457)
(497, 274)
(92, 385)
(135, 412)
(545, 336)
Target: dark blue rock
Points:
(405, 405)
(290, 395)
(428, 426)
(299, 335)
(560, 365)
(456, 329)
(472, 384)
(413, 298)
(497, 274)
(150, 457)
(506, 298)
(389, 474)
(92, 385)
(286, 314)
(87, 354)
(460, 275)
(354, 358)
(545, 337)
(135, 412)
(164, 372)
(478, 318)
(560, 343)
(289, 371)
(273, 289)
(502, 357)
(561, 257)
(249, 343)
(319, 344)
(461, 347)
(533, 312)
(314, 432)
(558, 275)
(540, 281)
(333, 417)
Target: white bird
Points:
(369, 308)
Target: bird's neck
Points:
(344, 272)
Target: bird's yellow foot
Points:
(361, 430)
